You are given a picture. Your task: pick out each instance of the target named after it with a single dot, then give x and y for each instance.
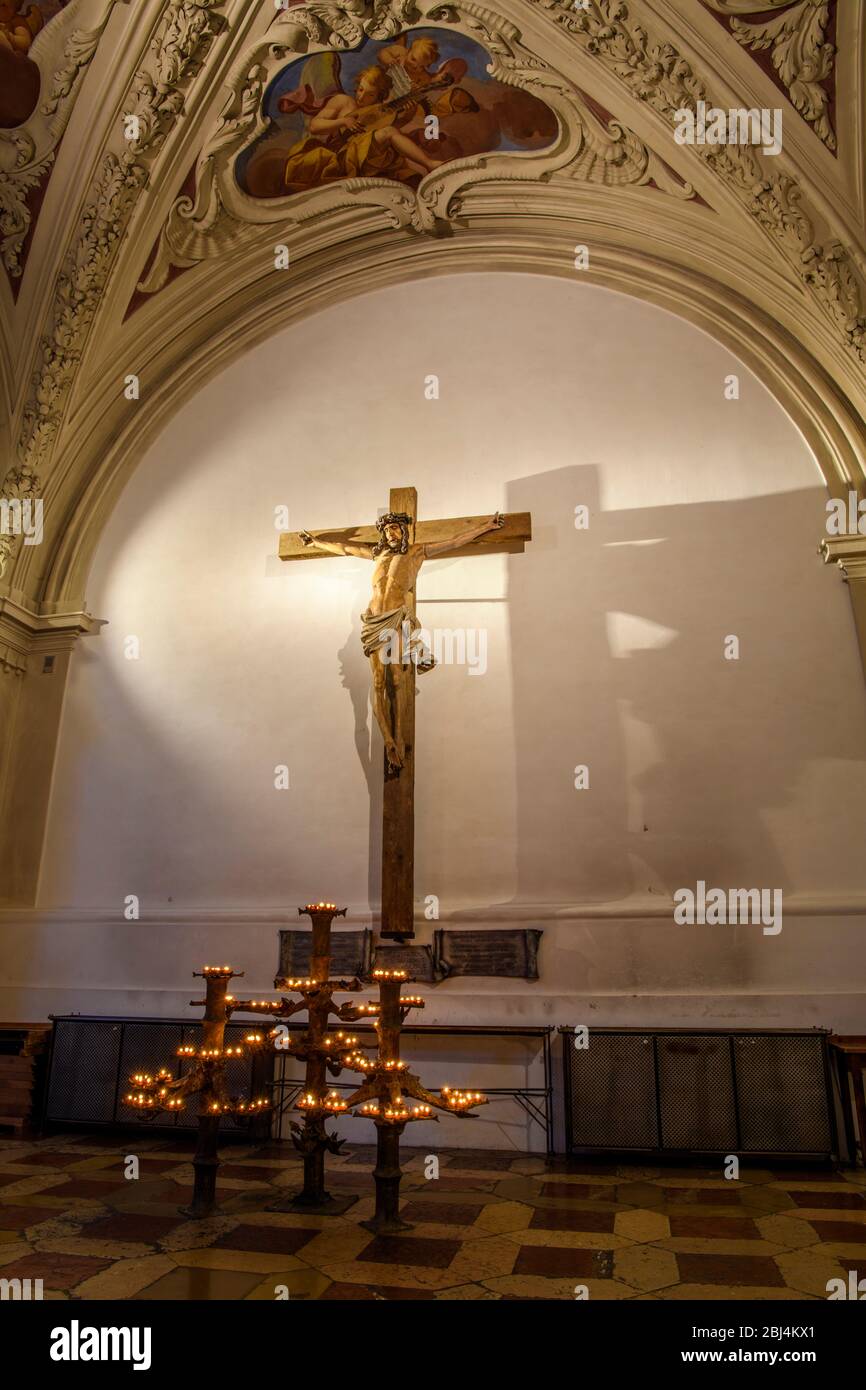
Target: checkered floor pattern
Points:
(492, 1225)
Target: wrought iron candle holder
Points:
(381, 1097)
(206, 1079)
(323, 1052)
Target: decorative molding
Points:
(17, 181)
(654, 907)
(156, 98)
(800, 55)
(80, 48)
(62, 53)
(656, 73)
(613, 155)
(218, 216)
(12, 661)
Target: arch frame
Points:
(114, 438)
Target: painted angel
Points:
(338, 135)
(17, 31)
(410, 66)
(413, 66)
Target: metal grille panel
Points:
(84, 1073)
(92, 1060)
(613, 1101)
(706, 1091)
(783, 1094)
(696, 1089)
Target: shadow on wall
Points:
(662, 722)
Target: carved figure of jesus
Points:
(389, 625)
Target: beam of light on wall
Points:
(627, 633)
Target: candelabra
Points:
(205, 1078)
(381, 1097)
(323, 1052)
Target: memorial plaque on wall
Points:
(417, 960)
(350, 954)
(505, 953)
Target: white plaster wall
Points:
(605, 647)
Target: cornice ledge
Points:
(24, 628)
(848, 553)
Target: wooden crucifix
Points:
(398, 545)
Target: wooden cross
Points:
(398, 809)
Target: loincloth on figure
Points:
(379, 629)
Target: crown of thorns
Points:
(391, 518)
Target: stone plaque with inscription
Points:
(350, 954)
(417, 960)
(512, 953)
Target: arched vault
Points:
(131, 249)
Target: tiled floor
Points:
(491, 1226)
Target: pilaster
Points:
(35, 652)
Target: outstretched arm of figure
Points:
(361, 552)
(457, 542)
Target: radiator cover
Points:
(757, 1092)
(93, 1058)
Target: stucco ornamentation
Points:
(802, 58)
(62, 52)
(655, 72)
(156, 100)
